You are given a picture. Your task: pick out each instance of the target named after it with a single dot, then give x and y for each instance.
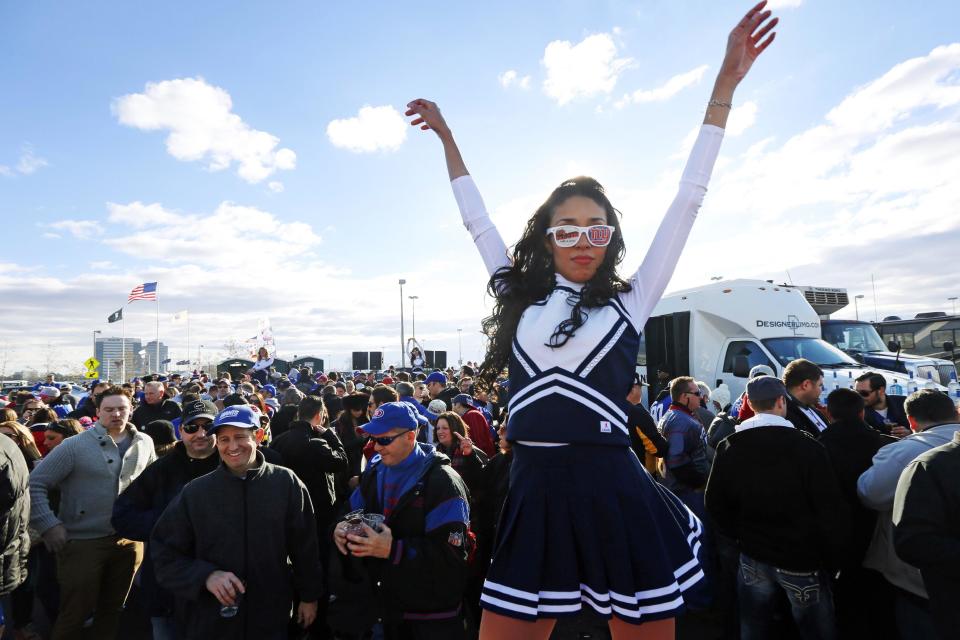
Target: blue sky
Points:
(837, 164)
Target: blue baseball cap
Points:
(421, 419)
(391, 415)
(462, 398)
(269, 388)
(437, 376)
(239, 415)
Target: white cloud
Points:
(100, 265)
(276, 187)
(742, 117)
(783, 4)
(588, 68)
(882, 165)
(80, 229)
(203, 127)
(372, 129)
(29, 163)
(667, 90)
(511, 78)
(231, 231)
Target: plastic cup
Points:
(374, 521)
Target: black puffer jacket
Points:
(14, 516)
(248, 526)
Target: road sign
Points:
(91, 374)
(91, 363)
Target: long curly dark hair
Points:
(532, 277)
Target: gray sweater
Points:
(89, 473)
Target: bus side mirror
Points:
(893, 345)
(741, 366)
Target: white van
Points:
(718, 332)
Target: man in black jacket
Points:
(314, 452)
(222, 546)
(884, 413)
(864, 599)
(804, 382)
(137, 509)
(772, 491)
(926, 533)
(155, 406)
(418, 559)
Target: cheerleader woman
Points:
(583, 523)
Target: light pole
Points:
(954, 301)
(856, 307)
(460, 347)
(403, 356)
(413, 317)
(95, 332)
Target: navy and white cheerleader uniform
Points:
(583, 521)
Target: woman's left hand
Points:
(466, 444)
(746, 42)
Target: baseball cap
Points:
(198, 409)
(421, 420)
(49, 392)
(462, 398)
(387, 380)
(760, 370)
(269, 388)
(437, 406)
(391, 415)
(242, 416)
(436, 376)
(765, 389)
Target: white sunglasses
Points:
(568, 235)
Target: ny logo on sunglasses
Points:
(568, 235)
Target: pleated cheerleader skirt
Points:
(587, 524)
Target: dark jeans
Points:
(811, 602)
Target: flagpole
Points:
(188, 338)
(158, 328)
(123, 347)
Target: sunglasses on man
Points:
(195, 426)
(384, 441)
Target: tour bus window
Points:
(905, 339)
(943, 335)
(752, 350)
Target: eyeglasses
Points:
(694, 393)
(568, 235)
(865, 394)
(193, 427)
(385, 441)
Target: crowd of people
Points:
(368, 502)
(220, 493)
(496, 499)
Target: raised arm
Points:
(747, 41)
(472, 210)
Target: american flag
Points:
(145, 291)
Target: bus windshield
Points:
(786, 350)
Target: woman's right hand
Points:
(428, 116)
